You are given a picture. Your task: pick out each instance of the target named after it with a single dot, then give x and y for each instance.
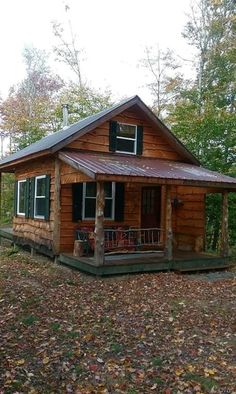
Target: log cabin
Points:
(116, 192)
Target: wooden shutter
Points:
(15, 197)
(119, 201)
(139, 140)
(47, 202)
(27, 199)
(77, 199)
(112, 136)
(31, 198)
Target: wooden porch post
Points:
(224, 246)
(57, 208)
(168, 226)
(99, 228)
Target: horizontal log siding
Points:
(154, 144)
(131, 214)
(36, 230)
(189, 218)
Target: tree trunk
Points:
(99, 225)
(224, 226)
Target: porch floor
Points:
(146, 262)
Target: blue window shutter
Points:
(47, 193)
(77, 198)
(112, 136)
(139, 140)
(119, 201)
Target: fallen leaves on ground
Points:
(65, 332)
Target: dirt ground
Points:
(62, 331)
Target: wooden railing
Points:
(122, 238)
(134, 238)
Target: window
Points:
(32, 197)
(21, 197)
(40, 197)
(89, 200)
(126, 138)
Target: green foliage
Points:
(28, 111)
(204, 114)
(7, 198)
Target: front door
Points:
(151, 207)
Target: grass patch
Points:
(157, 361)
(206, 383)
(29, 320)
(116, 347)
(73, 334)
(55, 326)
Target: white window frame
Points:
(37, 197)
(128, 139)
(18, 197)
(106, 198)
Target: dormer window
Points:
(126, 138)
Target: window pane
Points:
(108, 189)
(41, 187)
(125, 130)
(108, 209)
(91, 189)
(40, 207)
(22, 191)
(90, 207)
(125, 145)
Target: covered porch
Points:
(175, 241)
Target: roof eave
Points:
(10, 167)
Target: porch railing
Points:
(134, 238)
(122, 238)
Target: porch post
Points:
(168, 226)
(224, 245)
(57, 208)
(99, 228)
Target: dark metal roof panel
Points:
(127, 165)
(53, 139)
(60, 139)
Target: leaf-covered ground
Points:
(64, 332)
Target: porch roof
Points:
(107, 166)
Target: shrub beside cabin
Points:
(122, 189)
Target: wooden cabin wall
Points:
(189, 218)
(37, 231)
(131, 214)
(154, 143)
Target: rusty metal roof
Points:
(97, 165)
